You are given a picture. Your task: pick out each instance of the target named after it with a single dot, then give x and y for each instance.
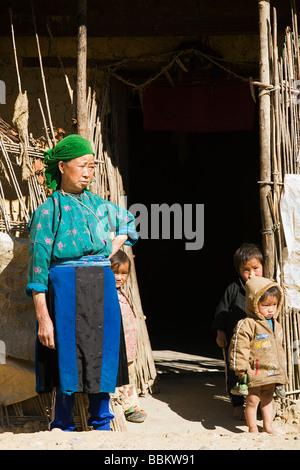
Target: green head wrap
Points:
(70, 147)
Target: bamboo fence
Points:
(283, 69)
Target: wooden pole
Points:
(265, 141)
(81, 69)
(15, 50)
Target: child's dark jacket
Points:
(231, 308)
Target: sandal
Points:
(140, 411)
(280, 391)
(134, 416)
(240, 387)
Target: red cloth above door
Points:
(190, 107)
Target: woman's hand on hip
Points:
(117, 243)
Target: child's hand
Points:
(240, 373)
(221, 339)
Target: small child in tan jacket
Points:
(256, 350)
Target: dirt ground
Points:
(190, 412)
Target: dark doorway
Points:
(179, 288)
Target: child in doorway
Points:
(256, 350)
(120, 264)
(248, 259)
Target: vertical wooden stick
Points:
(265, 145)
(61, 64)
(45, 123)
(81, 69)
(15, 50)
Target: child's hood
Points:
(255, 287)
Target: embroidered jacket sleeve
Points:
(42, 228)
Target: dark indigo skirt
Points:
(90, 354)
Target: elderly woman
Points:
(80, 345)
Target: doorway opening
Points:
(180, 288)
